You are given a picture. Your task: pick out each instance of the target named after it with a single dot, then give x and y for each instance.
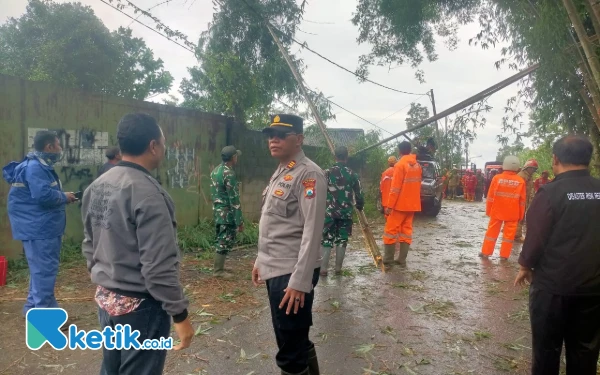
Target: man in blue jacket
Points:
(36, 209)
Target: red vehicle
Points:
(488, 169)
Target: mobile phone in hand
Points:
(79, 195)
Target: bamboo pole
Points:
(372, 247)
(594, 6)
(588, 49)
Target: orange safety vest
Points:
(507, 197)
(385, 185)
(405, 192)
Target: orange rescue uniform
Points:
(505, 204)
(385, 185)
(404, 200)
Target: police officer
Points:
(227, 210)
(343, 187)
(291, 226)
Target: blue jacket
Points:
(36, 202)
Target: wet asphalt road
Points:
(449, 312)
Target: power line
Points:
(148, 27)
(400, 110)
(304, 45)
(330, 101)
(465, 103)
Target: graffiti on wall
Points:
(81, 147)
(83, 154)
(182, 162)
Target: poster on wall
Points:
(81, 147)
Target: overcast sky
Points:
(455, 76)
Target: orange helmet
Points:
(392, 160)
(531, 163)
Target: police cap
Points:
(285, 123)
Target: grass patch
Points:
(70, 256)
(480, 335)
(462, 244)
(201, 237)
(437, 308)
(520, 315)
(416, 288)
(198, 239)
(418, 275)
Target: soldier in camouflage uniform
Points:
(343, 186)
(227, 211)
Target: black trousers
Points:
(291, 331)
(153, 323)
(572, 319)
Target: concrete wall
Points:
(86, 123)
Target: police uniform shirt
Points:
(291, 223)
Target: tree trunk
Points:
(591, 56)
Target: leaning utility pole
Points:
(372, 246)
(437, 129)
(457, 107)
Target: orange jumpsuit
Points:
(471, 185)
(404, 200)
(505, 204)
(385, 185)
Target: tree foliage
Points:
(405, 31)
(241, 71)
(536, 31)
(66, 43)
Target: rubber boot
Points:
(340, 253)
(219, 267)
(313, 362)
(388, 254)
(401, 260)
(325, 253)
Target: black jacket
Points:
(562, 245)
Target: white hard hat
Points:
(511, 163)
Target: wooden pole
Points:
(366, 229)
(457, 107)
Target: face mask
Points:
(49, 157)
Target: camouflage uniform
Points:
(342, 185)
(227, 212)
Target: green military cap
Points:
(228, 152)
(286, 123)
(341, 152)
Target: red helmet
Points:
(531, 163)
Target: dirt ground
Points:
(449, 312)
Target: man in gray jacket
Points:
(290, 230)
(131, 250)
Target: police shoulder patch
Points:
(309, 188)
